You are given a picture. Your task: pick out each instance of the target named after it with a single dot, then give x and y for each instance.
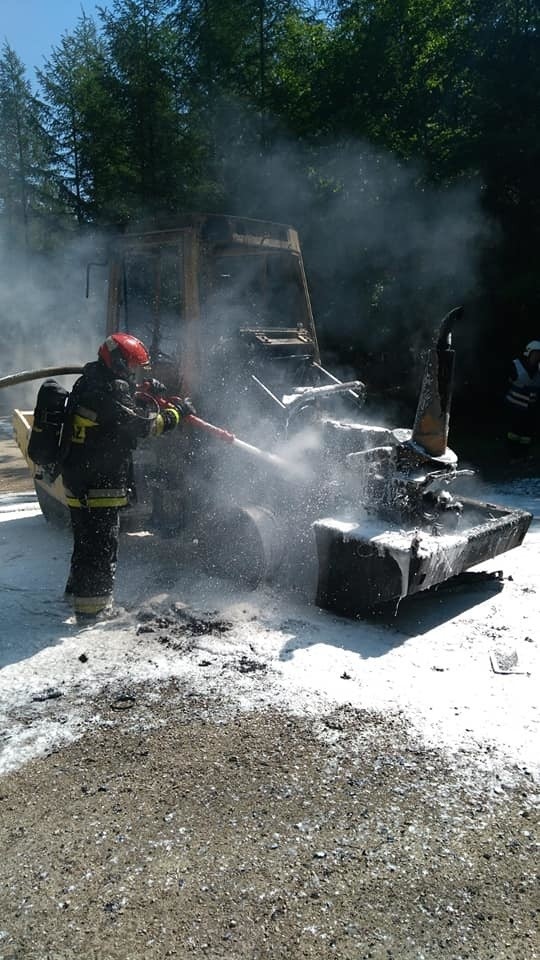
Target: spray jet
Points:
(286, 467)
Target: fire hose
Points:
(38, 375)
(220, 433)
(295, 470)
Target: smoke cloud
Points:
(45, 317)
(387, 255)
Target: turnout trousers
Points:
(93, 561)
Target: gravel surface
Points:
(177, 829)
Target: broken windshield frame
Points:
(152, 298)
(255, 290)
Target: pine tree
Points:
(28, 190)
(151, 121)
(71, 83)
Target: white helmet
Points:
(532, 345)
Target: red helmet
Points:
(122, 353)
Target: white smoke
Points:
(387, 254)
(45, 316)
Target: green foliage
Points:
(77, 103)
(357, 110)
(28, 190)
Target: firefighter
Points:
(105, 425)
(521, 400)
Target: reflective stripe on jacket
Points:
(82, 420)
(523, 389)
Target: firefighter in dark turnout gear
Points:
(522, 400)
(106, 425)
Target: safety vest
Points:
(96, 499)
(524, 390)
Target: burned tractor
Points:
(281, 476)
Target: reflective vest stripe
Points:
(91, 604)
(523, 390)
(518, 398)
(93, 502)
(98, 498)
(517, 438)
(79, 427)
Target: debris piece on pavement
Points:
(505, 661)
(49, 694)
(123, 701)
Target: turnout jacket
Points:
(104, 430)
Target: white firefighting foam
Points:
(436, 664)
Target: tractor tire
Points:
(245, 545)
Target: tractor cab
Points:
(222, 303)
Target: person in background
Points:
(522, 400)
(105, 426)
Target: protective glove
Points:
(184, 406)
(155, 387)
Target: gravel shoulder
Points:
(178, 830)
(181, 826)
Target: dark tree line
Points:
(400, 136)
